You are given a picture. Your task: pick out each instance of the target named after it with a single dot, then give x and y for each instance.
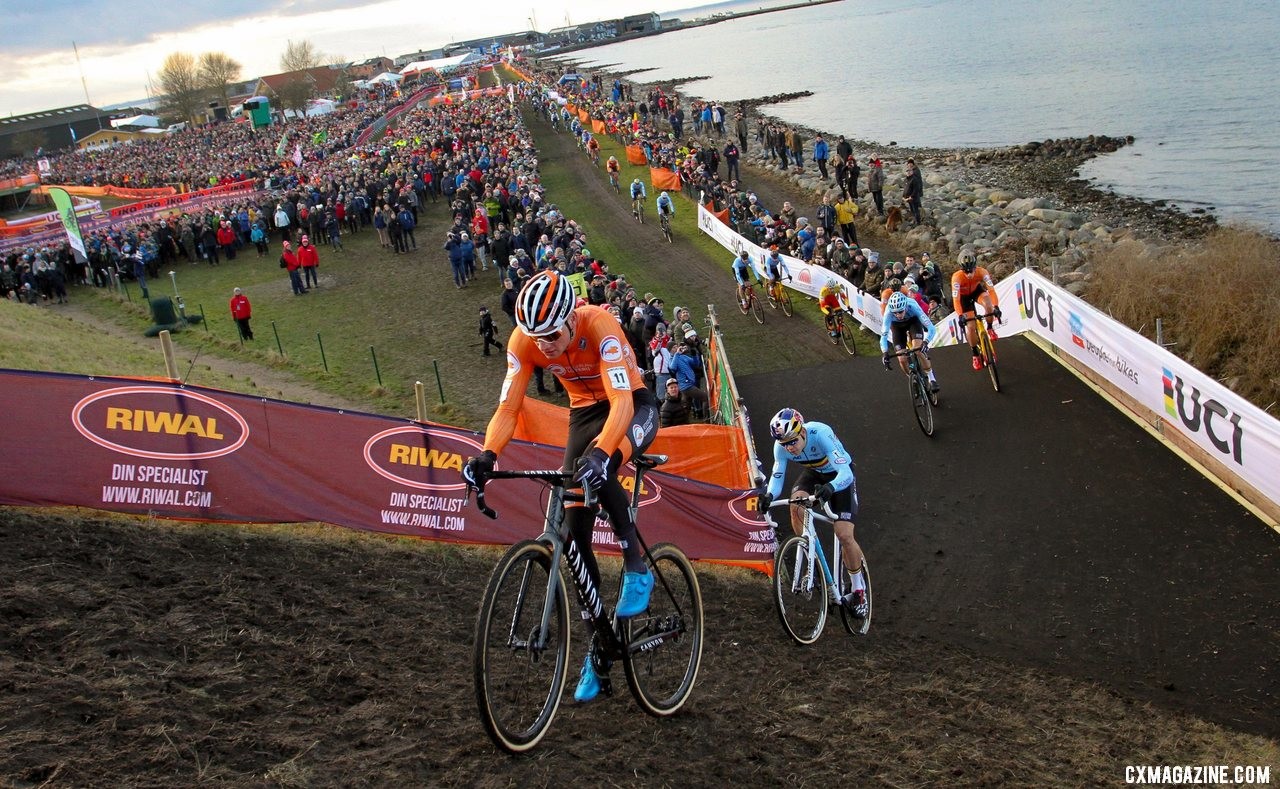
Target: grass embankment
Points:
(1219, 302)
(42, 339)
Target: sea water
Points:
(1197, 83)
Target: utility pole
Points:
(83, 83)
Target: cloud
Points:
(54, 24)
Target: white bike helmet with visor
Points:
(544, 303)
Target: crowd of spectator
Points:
(827, 236)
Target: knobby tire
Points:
(989, 359)
(920, 403)
(518, 688)
(800, 599)
(662, 677)
(847, 335)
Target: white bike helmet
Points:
(544, 303)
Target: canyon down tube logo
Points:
(421, 457)
(159, 423)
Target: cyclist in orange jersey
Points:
(891, 286)
(612, 417)
(969, 284)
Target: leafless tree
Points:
(300, 55)
(183, 91)
(217, 72)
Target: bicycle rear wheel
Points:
(988, 352)
(847, 335)
(799, 591)
(519, 682)
(664, 644)
(784, 300)
(856, 626)
(757, 310)
(920, 403)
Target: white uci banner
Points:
(1243, 437)
(804, 277)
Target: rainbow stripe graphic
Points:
(1022, 304)
(1166, 377)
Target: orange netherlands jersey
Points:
(963, 284)
(598, 366)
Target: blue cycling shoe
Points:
(588, 682)
(635, 593)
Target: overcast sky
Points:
(120, 41)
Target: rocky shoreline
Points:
(1014, 204)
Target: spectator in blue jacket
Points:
(687, 369)
(820, 153)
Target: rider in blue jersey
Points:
(827, 474)
(744, 273)
(775, 270)
(665, 205)
(905, 322)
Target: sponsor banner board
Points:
(187, 452)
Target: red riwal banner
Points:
(140, 446)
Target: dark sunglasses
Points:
(792, 442)
(552, 337)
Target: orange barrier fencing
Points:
(635, 155)
(664, 179)
(19, 182)
(118, 191)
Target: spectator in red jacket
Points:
(227, 239)
(241, 311)
(309, 259)
(289, 260)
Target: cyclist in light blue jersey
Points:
(775, 268)
(637, 190)
(905, 322)
(665, 205)
(828, 474)
(745, 274)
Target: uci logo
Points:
(1035, 303)
(1198, 414)
(422, 458)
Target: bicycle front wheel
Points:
(784, 300)
(799, 590)
(989, 359)
(757, 310)
(519, 677)
(920, 403)
(847, 336)
(664, 644)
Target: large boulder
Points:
(1024, 204)
(1067, 218)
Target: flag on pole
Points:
(297, 154)
(67, 213)
(284, 138)
(320, 137)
